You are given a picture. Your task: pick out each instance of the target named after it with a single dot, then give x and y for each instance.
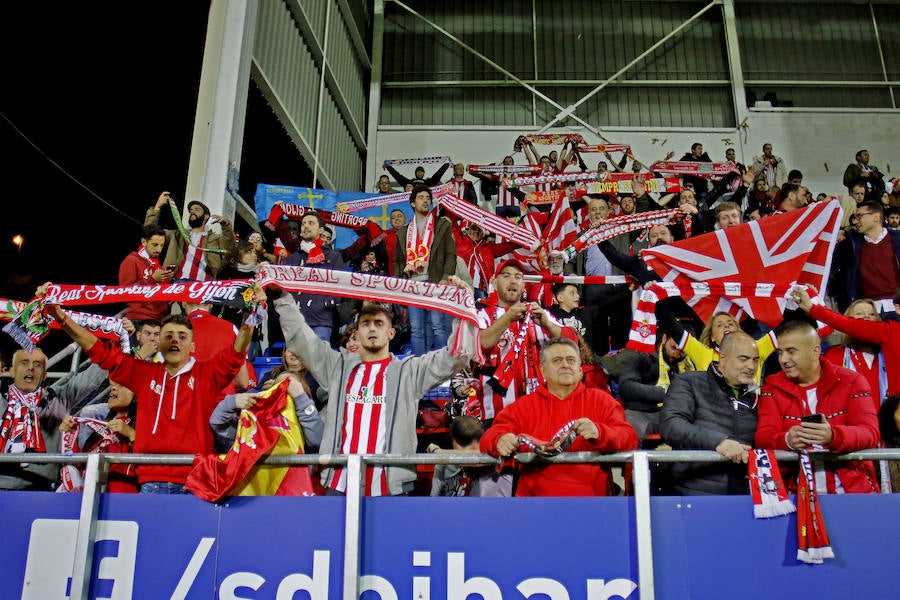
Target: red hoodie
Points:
(541, 415)
(172, 411)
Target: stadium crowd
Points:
(588, 335)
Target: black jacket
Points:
(699, 413)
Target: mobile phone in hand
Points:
(817, 418)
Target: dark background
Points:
(108, 92)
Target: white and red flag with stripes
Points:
(794, 247)
(556, 230)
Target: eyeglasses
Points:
(858, 215)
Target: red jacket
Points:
(135, 269)
(844, 399)
(172, 412)
(884, 333)
(541, 415)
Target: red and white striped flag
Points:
(794, 247)
(556, 231)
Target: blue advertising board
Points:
(435, 548)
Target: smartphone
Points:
(817, 418)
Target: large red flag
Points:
(270, 427)
(794, 247)
(556, 230)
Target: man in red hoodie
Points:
(572, 418)
(175, 397)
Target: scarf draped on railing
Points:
(70, 475)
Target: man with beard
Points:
(373, 396)
(31, 415)
(208, 250)
(141, 267)
(511, 333)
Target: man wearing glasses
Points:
(870, 259)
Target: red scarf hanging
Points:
(418, 248)
(813, 546)
(770, 497)
(520, 363)
(20, 430)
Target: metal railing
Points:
(97, 467)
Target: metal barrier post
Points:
(641, 474)
(87, 528)
(355, 482)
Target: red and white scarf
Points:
(520, 363)
(499, 171)
(152, 262)
(488, 222)
(71, 479)
(813, 546)
(20, 430)
(418, 246)
(770, 496)
(706, 170)
(548, 139)
(428, 160)
(313, 249)
(385, 199)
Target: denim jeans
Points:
(163, 487)
(428, 330)
(323, 332)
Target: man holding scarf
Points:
(207, 252)
(512, 331)
(425, 251)
(142, 267)
(31, 415)
(813, 404)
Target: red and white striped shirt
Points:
(364, 424)
(194, 265)
(506, 197)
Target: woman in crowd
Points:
(866, 358)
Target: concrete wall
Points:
(820, 144)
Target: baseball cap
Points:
(510, 262)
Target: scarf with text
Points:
(385, 199)
(20, 430)
(706, 170)
(186, 234)
(29, 325)
(770, 497)
(448, 299)
(296, 212)
(548, 139)
(813, 546)
(497, 172)
(427, 160)
(418, 246)
(606, 148)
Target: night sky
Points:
(108, 92)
